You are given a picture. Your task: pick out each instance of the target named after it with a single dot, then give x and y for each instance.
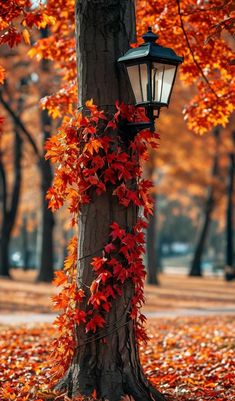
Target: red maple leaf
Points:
(60, 278)
(117, 232)
(109, 292)
(98, 263)
(94, 323)
(96, 299)
(109, 248)
(80, 316)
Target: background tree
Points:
(152, 253)
(24, 126)
(209, 206)
(46, 244)
(12, 21)
(10, 201)
(229, 265)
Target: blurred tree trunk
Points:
(47, 220)
(46, 250)
(10, 202)
(10, 212)
(4, 263)
(25, 250)
(151, 248)
(230, 268)
(196, 268)
(45, 273)
(151, 237)
(104, 31)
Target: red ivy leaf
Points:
(80, 316)
(109, 292)
(96, 299)
(117, 231)
(98, 263)
(109, 248)
(94, 323)
(106, 306)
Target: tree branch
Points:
(20, 124)
(191, 50)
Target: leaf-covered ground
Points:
(189, 359)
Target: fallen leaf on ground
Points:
(186, 359)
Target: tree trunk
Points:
(151, 248)
(113, 368)
(4, 262)
(4, 251)
(230, 268)
(196, 269)
(46, 251)
(151, 237)
(9, 213)
(104, 31)
(25, 250)
(46, 228)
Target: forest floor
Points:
(187, 357)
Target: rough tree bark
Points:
(104, 31)
(230, 268)
(196, 269)
(46, 248)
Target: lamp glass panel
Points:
(139, 80)
(162, 81)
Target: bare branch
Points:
(21, 125)
(191, 51)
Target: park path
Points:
(33, 318)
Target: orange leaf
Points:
(93, 146)
(26, 36)
(60, 278)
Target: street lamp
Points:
(152, 70)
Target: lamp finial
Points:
(150, 37)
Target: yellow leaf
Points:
(34, 52)
(46, 20)
(26, 36)
(89, 103)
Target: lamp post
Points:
(152, 70)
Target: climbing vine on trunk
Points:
(92, 159)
